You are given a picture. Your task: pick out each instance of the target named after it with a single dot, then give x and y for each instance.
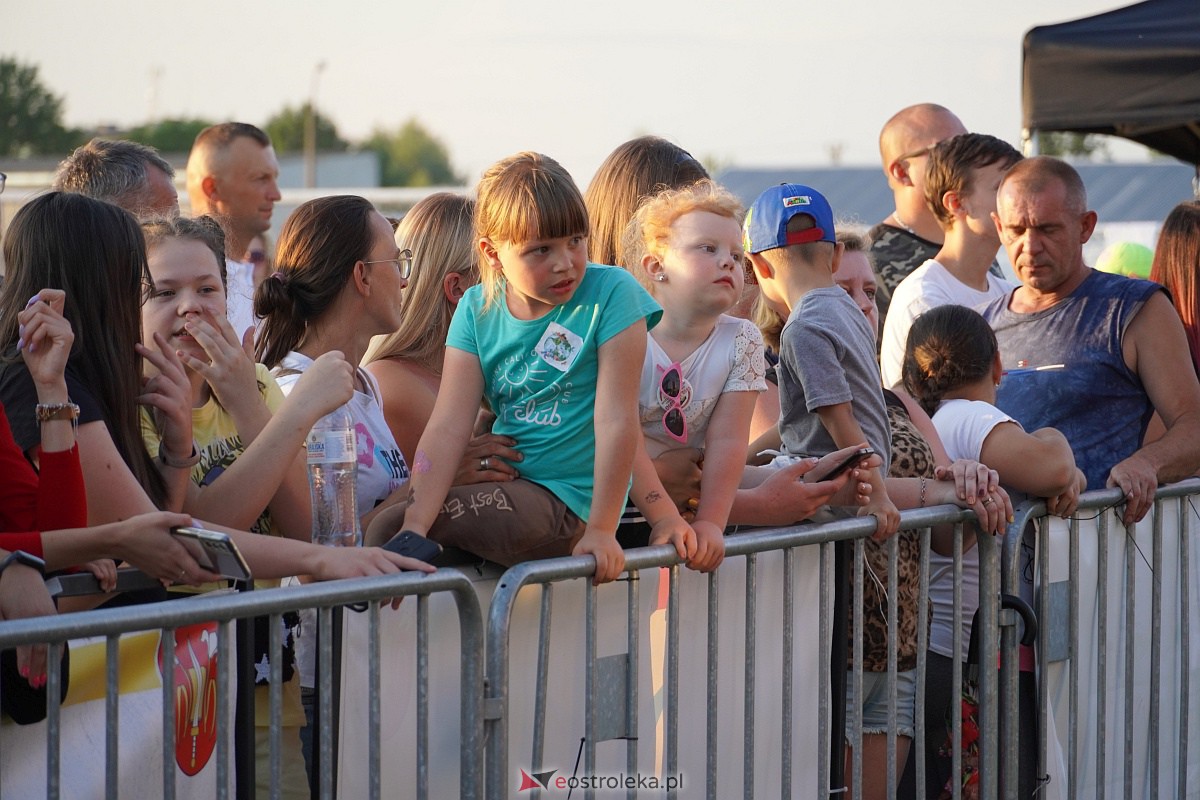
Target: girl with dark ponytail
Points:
(952, 366)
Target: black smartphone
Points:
(214, 551)
(851, 461)
(414, 545)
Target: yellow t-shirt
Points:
(219, 444)
(217, 439)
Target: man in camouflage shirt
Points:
(910, 235)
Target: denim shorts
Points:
(875, 717)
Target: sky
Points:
(737, 84)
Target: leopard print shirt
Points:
(911, 458)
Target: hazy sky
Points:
(753, 84)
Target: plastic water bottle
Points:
(332, 477)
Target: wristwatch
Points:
(49, 411)
(178, 463)
(21, 557)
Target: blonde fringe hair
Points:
(524, 197)
(650, 229)
(440, 232)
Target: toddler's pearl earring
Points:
(660, 277)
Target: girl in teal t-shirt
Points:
(553, 344)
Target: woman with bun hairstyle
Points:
(337, 282)
(952, 366)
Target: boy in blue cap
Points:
(829, 388)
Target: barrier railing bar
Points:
(374, 714)
(1102, 570)
(824, 701)
(275, 696)
(590, 681)
(54, 654)
(223, 607)
(1154, 726)
(542, 677)
(856, 677)
(632, 631)
(956, 669)
(674, 623)
(1010, 698)
(751, 659)
(989, 653)
(1074, 634)
(1185, 631)
(1130, 655)
(224, 670)
(788, 638)
(922, 663)
(167, 649)
(112, 717)
(893, 611)
(713, 644)
(324, 731)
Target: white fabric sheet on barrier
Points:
(193, 658)
(565, 725)
(1119, 641)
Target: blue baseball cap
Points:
(767, 219)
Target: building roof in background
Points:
(1141, 192)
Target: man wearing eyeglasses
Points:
(232, 175)
(910, 235)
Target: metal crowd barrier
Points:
(613, 685)
(224, 608)
(730, 682)
(1115, 698)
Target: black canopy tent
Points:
(1133, 72)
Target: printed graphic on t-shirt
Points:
(559, 347)
(369, 452)
(216, 457)
(530, 394)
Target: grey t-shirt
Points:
(827, 357)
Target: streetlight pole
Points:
(310, 130)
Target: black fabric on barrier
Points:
(1133, 72)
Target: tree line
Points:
(31, 124)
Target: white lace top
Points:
(730, 360)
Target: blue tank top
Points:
(1095, 400)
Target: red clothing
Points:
(31, 502)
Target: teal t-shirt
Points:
(540, 375)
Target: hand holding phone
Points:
(414, 545)
(214, 551)
(851, 461)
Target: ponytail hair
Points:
(948, 347)
(314, 260)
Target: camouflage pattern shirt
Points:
(897, 252)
